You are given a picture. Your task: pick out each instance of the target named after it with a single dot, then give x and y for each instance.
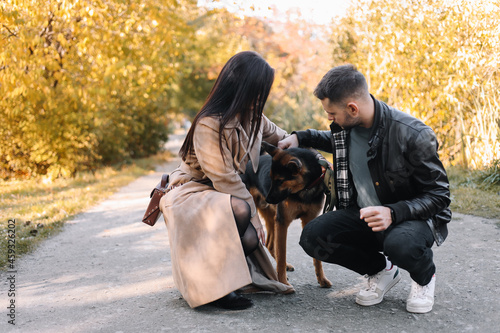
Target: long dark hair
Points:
(240, 90)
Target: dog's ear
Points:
(294, 165)
(269, 148)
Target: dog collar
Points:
(316, 182)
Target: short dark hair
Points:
(340, 83)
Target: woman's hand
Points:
(261, 234)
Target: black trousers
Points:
(341, 237)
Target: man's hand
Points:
(289, 142)
(378, 217)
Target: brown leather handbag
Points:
(153, 212)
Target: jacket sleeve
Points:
(320, 140)
(220, 171)
(428, 176)
(271, 133)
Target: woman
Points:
(213, 225)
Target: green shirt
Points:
(358, 165)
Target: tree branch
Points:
(10, 31)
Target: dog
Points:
(288, 185)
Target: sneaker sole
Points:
(419, 309)
(381, 298)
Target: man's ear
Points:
(269, 148)
(353, 109)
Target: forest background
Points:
(90, 83)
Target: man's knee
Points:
(307, 241)
(316, 243)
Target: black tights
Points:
(248, 234)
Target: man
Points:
(392, 191)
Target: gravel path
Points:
(108, 272)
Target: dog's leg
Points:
(270, 241)
(320, 275)
(285, 216)
(268, 214)
(318, 266)
(281, 235)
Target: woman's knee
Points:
(242, 214)
(250, 240)
(241, 209)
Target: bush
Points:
(87, 83)
(436, 59)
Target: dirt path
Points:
(108, 272)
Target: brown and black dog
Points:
(288, 185)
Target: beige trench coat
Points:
(207, 257)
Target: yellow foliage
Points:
(75, 81)
(432, 59)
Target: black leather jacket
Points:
(407, 173)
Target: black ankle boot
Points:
(233, 301)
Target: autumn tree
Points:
(298, 51)
(436, 59)
(216, 39)
(88, 82)
(295, 48)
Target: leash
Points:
(329, 181)
(316, 182)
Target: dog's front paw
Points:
(324, 283)
(289, 267)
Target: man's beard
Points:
(350, 122)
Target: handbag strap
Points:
(162, 185)
(164, 180)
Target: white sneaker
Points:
(421, 298)
(378, 285)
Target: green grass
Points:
(41, 207)
(475, 192)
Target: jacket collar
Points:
(245, 141)
(378, 129)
